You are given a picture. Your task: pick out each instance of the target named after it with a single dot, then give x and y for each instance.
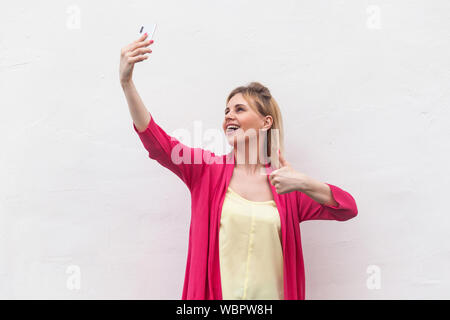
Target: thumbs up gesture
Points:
(285, 179)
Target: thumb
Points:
(283, 161)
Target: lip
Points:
(232, 124)
(232, 132)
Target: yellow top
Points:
(251, 256)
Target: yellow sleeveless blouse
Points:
(251, 256)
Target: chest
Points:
(253, 188)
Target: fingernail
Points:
(151, 41)
(145, 34)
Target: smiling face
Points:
(239, 113)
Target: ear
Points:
(267, 122)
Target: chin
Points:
(232, 141)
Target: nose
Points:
(228, 115)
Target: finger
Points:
(140, 44)
(137, 59)
(140, 51)
(273, 180)
(132, 45)
(141, 38)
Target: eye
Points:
(238, 108)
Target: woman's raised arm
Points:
(129, 55)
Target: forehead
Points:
(237, 99)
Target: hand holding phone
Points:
(135, 52)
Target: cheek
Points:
(251, 122)
(246, 121)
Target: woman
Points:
(244, 238)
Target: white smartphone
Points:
(149, 29)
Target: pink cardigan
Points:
(208, 181)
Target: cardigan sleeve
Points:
(184, 161)
(308, 209)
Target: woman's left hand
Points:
(286, 179)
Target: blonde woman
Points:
(246, 206)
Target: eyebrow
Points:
(236, 105)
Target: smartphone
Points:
(149, 29)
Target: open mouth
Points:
(232, 129)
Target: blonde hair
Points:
(261, 101)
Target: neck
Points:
(249, 160)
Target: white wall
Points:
(364, 91)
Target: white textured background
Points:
(364, 91)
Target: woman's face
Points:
(239, 113)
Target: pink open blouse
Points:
(207, 177)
